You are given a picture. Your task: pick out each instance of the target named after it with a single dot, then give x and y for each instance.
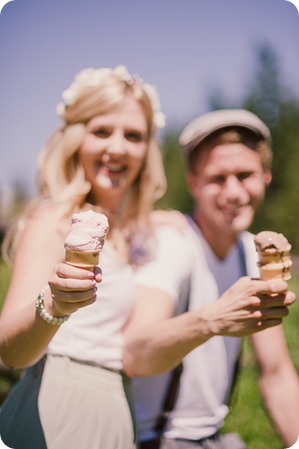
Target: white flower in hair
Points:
(94, 77)
(85, 78)
(122, 72)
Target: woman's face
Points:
(113, 151)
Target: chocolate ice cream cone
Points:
(276, 271)
(274, 255)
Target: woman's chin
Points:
(109, 182)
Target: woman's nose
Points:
(116, 144)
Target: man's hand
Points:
(249, 306)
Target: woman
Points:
(104, 157)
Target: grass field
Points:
(247, 416)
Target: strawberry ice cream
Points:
(86, 238)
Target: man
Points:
(228, 160)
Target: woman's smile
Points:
(112, 169)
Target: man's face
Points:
(228, 185)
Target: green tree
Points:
(177, 195)
(275, 105)
(281, 208)
(267, 91)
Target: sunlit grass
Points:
(4, 279)
(5, 382)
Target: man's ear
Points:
(267, 177)
(191, 182)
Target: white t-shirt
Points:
(94, 334)
(170, 271)
(208, 370)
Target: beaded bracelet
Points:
(40, 307)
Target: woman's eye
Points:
(101, 132)
(134, 136)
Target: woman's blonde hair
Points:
(61, 177)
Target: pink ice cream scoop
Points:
(86, 238)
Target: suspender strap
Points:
(173, 387)
(170, 398)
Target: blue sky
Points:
(184, 47)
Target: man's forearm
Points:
(280, 392)
(162, 346)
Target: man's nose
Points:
(233, 186)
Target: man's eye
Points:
(244, 175)
(218, 180)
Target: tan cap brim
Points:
(202, 127)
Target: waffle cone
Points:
(280, 270)
(82, 259)
(266, 257)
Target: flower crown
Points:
(94, 77)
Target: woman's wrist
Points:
(45, 311)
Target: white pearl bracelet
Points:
(40, 307)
